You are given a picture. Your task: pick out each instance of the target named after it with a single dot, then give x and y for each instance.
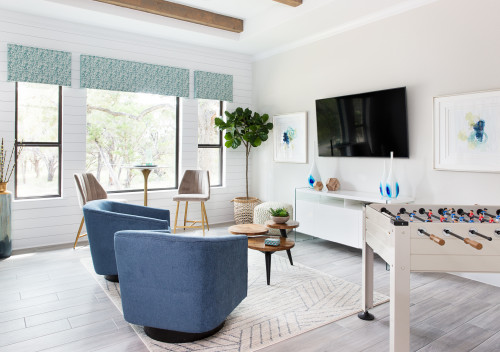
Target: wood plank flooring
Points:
(49, 302)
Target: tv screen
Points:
(367, 124)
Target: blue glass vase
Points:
(391, 185)
(5, 222)
(313, 175)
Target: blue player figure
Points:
(412, 215)
(398, 216)
(461, 218)
(497, 218)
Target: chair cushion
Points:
(191, 198)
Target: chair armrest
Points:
(124, 221)
(139, 210)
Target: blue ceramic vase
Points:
(5, 224)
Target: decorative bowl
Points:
(280, 219)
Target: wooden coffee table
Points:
(257, 243)
(290, 224)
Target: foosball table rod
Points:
(434, 238)
(466, 240)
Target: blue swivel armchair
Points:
(180, 288)
(103, 218)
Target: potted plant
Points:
(7, 164)
(279, 215)
(250, 129)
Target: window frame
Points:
(177, 142)
(219, 146)
(57, 145)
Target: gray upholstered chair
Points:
(194, 187)
(88, 189)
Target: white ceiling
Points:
(269, 27)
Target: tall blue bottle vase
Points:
(391, 185)
(5, 223)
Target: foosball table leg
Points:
(367, 290)
(400, 293)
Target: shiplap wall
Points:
(54, 221)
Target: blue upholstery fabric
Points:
(103, 218)
(183, 283)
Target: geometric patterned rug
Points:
(298, 300)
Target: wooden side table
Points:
(290, 224)
(248, 229)
(257, 243)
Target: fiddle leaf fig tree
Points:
(244, 127)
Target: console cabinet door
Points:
(339, 225)
(305, 211)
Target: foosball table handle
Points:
(436, 239)
(473, 243)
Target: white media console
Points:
(336, 216)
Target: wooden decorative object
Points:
(181, 12)
(318, 185)
(332, 184)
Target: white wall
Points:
(447, 47)
(443, 48)
(45, 222)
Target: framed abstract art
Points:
(290, 138)
(467, 132)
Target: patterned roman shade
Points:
(216, 86)
(28, 64)
(128, 76)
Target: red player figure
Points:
(471, 214)
(441, 218)
(491, 220)
(481, 217)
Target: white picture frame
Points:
(467, 132)
(290, 138)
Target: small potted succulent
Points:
(279, 215)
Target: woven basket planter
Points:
(243, 209)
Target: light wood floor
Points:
(48, 301)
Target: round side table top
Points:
(290, 224)
(248, 229)
(257, 243)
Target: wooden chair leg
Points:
(185, 215)
(202, 218)
(176, 215)
(79, 231)
(206, 217)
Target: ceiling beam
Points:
(181, 12)
(293, 3)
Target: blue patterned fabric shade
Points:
(128, 76)
(28, 64)
(216, 86)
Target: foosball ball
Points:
(429, 238)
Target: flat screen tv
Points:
(363, 125)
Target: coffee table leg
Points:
(283, 234)
(268, 266)
(289, 256)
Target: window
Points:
(210, 139)
(38, 134)
(126, 129)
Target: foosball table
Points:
(431, 238)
